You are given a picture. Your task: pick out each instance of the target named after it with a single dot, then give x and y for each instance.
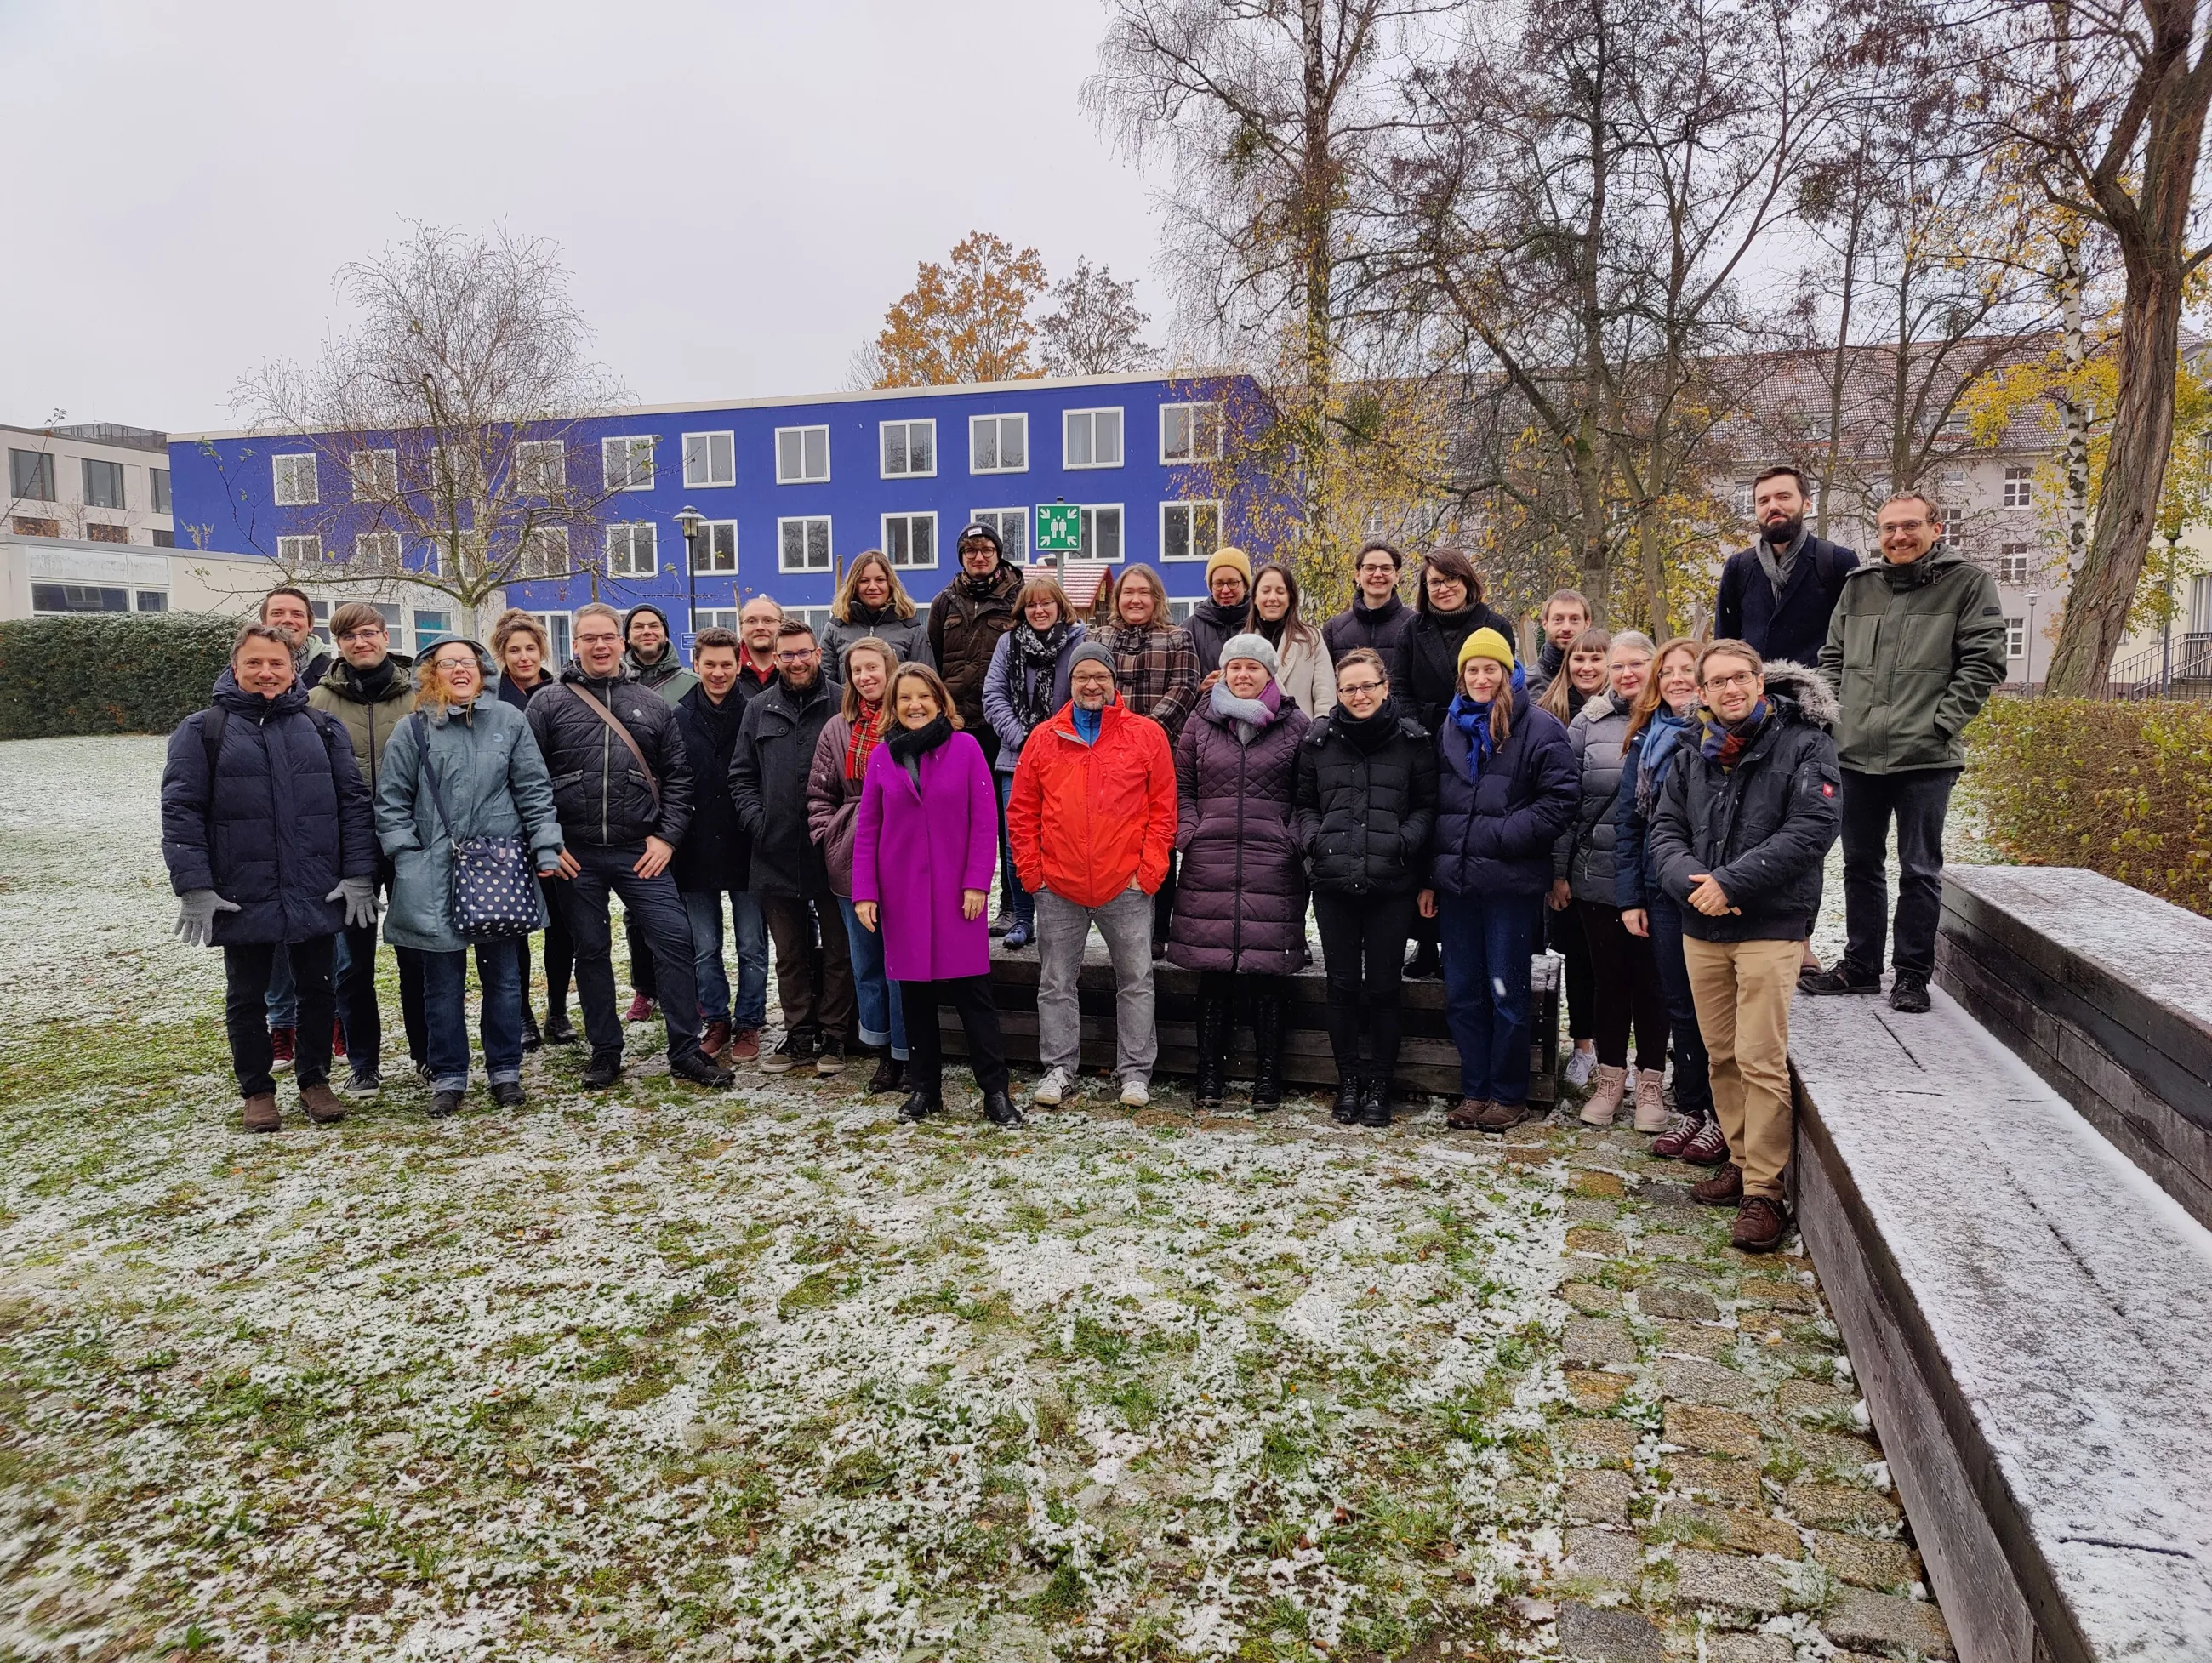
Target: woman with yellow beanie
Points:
(1506, 788)
(1225, 611)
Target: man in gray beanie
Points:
(1091, 816)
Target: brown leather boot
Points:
(1760, 1224)
(1723, 1189)
(324, 1106)
(1468, 1117)
(261, 1112)
(1501, 1117)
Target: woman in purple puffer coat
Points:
(1241, 905)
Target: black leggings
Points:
(1568, 941)
(1363, 946)
(1626, 975)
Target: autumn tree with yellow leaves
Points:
(964, 320)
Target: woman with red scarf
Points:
(832, 806)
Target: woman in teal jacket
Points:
(462, 764)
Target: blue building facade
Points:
(791, 489)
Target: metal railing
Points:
(2179, 667)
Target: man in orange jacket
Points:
(1091, 818)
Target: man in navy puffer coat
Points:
(267, 834)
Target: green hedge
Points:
(2123, 788)
(108, 672)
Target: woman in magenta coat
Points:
(924, 849)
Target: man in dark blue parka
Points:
(267, 830)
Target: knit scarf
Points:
(1272, 630)
(1249, 715)
(981, 587)
(1474, 720)
(1662, 737)
(1035, 658)
(909, 745)
(1367, 734)
(867, 733)
(1724, 746)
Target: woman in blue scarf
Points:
(1663, 720)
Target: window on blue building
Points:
(909, 449)
(999, 444)
(910, 539)
(1101, 531)
(377, 551)
(803, 545)
(802, 456)
(296, 481)
(296, 551)
(543, 553)
(628, 462)
(633, 550)
(1090, 439)
(710, 458)
(1190, 432)
(1189, 530)
(374, 475)
(540, 467)
(717, 550)
(1012, 525)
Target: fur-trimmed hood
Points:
(1807, 689)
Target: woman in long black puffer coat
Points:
(1366, 799)
(1241, 906)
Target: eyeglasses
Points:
(1722, 683)
(1903, 526)
(1351, 690)
(807, 657)
(368, 632)
(610, 639)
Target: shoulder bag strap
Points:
(652, 781)
(424, 774)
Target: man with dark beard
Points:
(1778, 594)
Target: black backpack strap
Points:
(212, 722)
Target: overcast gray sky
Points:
(740, 188)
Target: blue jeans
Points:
(283, 996)
(703, 907)
(444, 985)
(1694, 1088)
(1009, 882)
(1487, 942)
(882, 1019)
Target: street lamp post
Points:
(2030, 645)
(694, 525)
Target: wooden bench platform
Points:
(2030, 1317)
(1428, 1063)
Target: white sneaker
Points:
(1580, 1066)
(1051, 1090)
(1134, 1093)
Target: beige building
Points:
(92, 483)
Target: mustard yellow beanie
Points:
(1486, 644)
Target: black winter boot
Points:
(922, 1102)
(1267, 1046)
(1345, 1111)
(1375, 1102)
(1212, 1051)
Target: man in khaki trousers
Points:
(1739, 836)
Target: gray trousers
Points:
(1062, 930)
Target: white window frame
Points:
(997, 420)
(705, 480)
(711, 530)
(2024, 496)
(418, 634)
(626, 533)
(530, 475)
(627, 471)
(829, 544)
(2015, 638)
(1190, 504)
(528, 568)
(1192, 455)
(714, 617)
(1092, 415)
(996, 519)
(383, 486)
(303, 549)
(1089, 520)
(888, 545)
(285, 480)
(556, 625)
(803, 478)
(2012, 560)
(364, 557)
(882, 438)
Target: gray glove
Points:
(196, 922)
(359, 895)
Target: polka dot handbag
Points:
(494, 893)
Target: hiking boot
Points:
(1723, 1189)
(603, 1070)
(700, 1069)
(640, 1008)
(1136, 1091)
(1580, 1064)
(559, 1030)
(1669, 1144)
(280, 1045)
(323, 1105)
(508, 1093)
(1605, 1096)
(921, 1104)
(743, 1046)
(889, 1074)
(260, 1112)
(365, 1081)
(1844, 977)
(1708, 1148)
(831, 1058)
(1001, 921)
(999, 1110)
(1468, 1117)
(1345, 1111)
(1375, 1103)
(1051, 1090)
(444, 1103)
(1021, 935)
(532, 1039)
(716, 1040)
(1760, 1224)
(1501, 1117)
(1650, 1100)
(1909, 995)
(337, 1037)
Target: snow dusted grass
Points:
(760, 1373)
